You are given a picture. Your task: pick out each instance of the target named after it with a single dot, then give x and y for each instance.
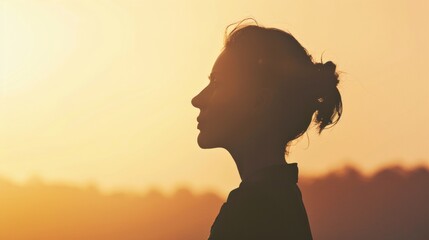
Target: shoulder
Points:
(257, 210)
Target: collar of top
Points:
(275, 174)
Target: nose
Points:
(198, 100)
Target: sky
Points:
(99, 92)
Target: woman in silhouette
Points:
(264, 91)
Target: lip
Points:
(199, 120)
(200, 125)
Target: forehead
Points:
(227, 64)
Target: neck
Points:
(253, 157)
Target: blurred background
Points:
(98, 134)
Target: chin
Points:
(206, 142)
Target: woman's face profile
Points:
(226, 112)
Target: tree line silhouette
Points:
(391, 204)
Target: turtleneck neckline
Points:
(287, 172)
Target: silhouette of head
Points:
(264, 86)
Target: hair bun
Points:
(329, 108)
(329, 67)
(327, 72)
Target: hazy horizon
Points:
(222, 192)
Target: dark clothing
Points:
(269, 208)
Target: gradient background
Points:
(98, 93)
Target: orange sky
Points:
(100, 91)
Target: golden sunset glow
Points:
(100, 91)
